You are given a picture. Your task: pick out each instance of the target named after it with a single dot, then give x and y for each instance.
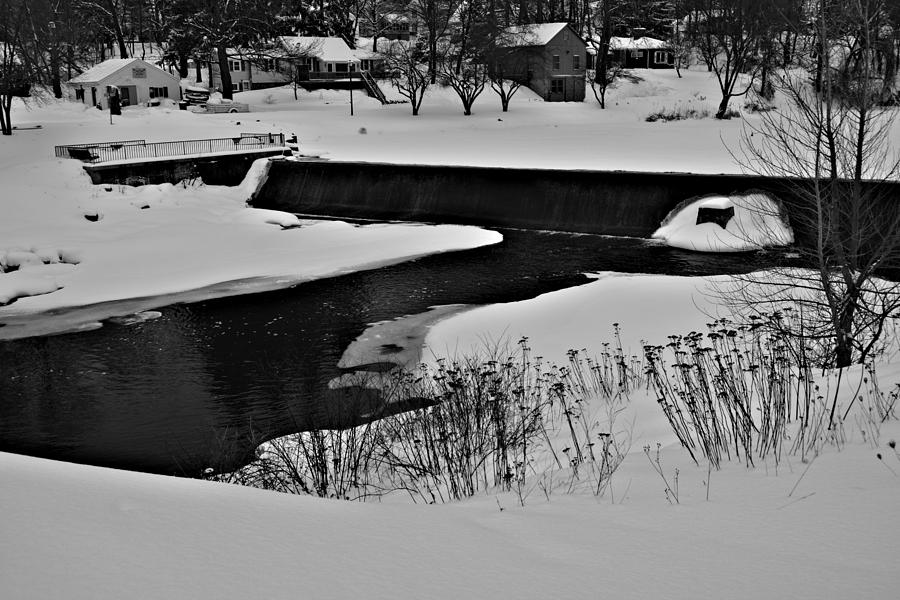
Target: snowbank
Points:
(734, 223)
(78, 532)
(158, 240)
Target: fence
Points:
(139, 149)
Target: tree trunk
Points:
(224, 72)
(117, 28)
(199, 70)
(5, 115)
(432, 56)
(182, 65)
(55, 80)
(723, 107)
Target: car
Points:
(226, 106)
(195, 94)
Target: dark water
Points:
(201, 385)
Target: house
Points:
(641, 52)
(323, 54)
(137, 82)
(251, 71)
(369, 60)
(290, 57)
(390, 26)
(549, 58)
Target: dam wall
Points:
(600, 202)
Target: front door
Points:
(126, 96)
(557, 89)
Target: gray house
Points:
(548, 57)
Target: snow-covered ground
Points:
(823, 529)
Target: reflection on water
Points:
(202, 384)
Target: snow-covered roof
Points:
(366, 53)
(641, 43)
(110, 67)
(531, 35)
(326, 49)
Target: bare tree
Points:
(408, 71)
(224, 24)
(605, 19)
(835, 145)
(495, 46)
(111, 15)
(468, 81)
(434, 18)
(19, 58)
(289, 57)
(728, 34)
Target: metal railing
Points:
(332, 75)
(139, 149)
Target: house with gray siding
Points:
(549, 58)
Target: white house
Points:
(137, 80)
(323, 54)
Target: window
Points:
(637, 53)
(139, 73)
(159, 92)
(556, 86)
(554, 61)
(235, 87)
(661, 57)
(576, 62)
(235, 65)
(268, 64)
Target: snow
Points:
(535, 34)
(823, 529)
(326, 49)
(758, 221)
(103, 70)
(641, 43)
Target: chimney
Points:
(638, 32)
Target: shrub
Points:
(748, 391)
(496, 421)
(679, 113)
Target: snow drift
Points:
(736, 223)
